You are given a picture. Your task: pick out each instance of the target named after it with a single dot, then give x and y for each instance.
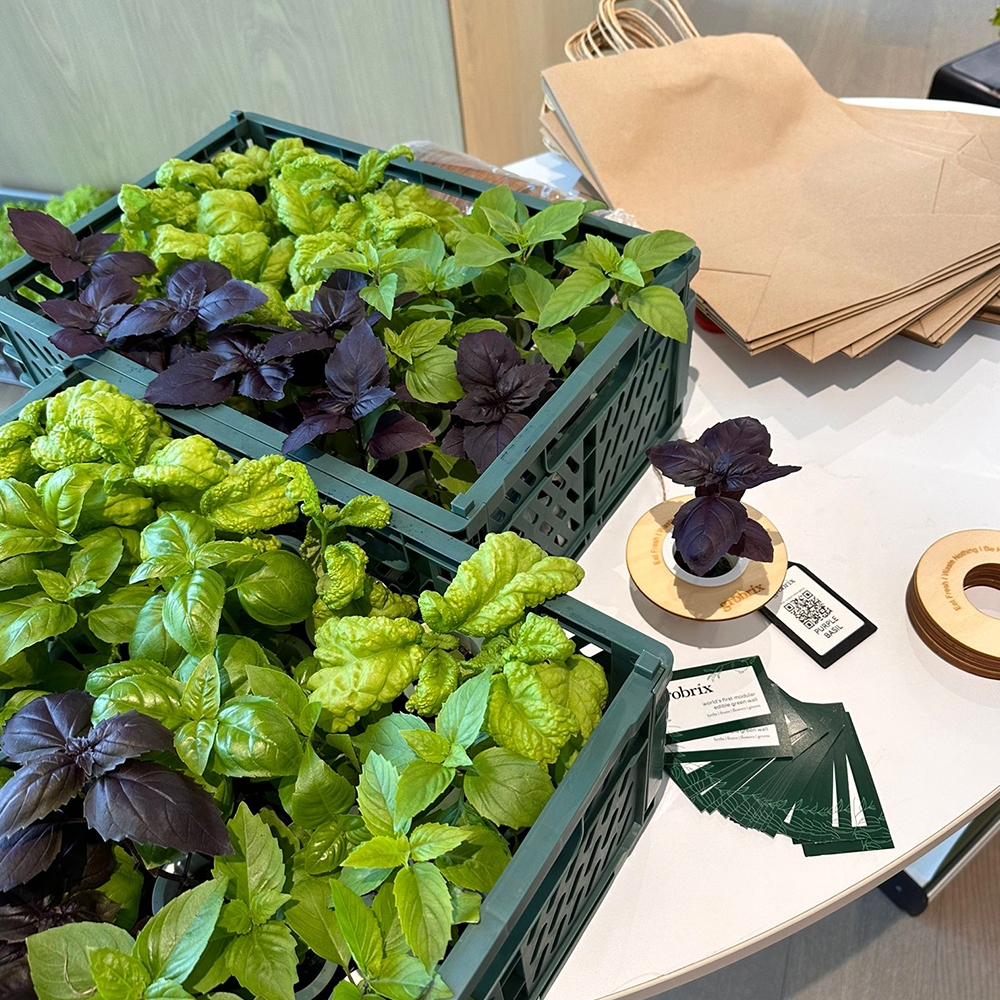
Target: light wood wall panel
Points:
(501, 47)
(102, 91)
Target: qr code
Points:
(808, 609)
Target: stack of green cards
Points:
(739, 745)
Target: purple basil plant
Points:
(500, 386)
(357, 385)
(62, 755)
(49, 241)
(727, 460)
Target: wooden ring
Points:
(941, 612)
(758, 583)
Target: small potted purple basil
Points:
(713, 536)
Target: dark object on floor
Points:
(907, 894)
(974, 78)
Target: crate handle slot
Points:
(555, 455)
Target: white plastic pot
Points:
(737, 567)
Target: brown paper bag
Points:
(790, 207)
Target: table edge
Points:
(652, 987)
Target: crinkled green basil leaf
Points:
(537, 639)
(523, 716)
(345, 574)
(222, 211)
(580, 685)
(252, 498)
(366, 663)
(436, 680)
(494, 587)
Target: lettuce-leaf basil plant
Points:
(726, 461)
(203, 683)
(363, 315)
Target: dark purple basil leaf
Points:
(294, 342)
(453, 443)
(312, 427)
(755, 543)
(94, 864)
(752, 470)
(233, 299)
(113, 741)
(482, 356)
(196, 277)
(312, 322)
(111, 316)
(46, 725)
(67, 269)
(36, 788)
(515, 390)
(346, 280)
(266, 381)
(73, 343)
(336, 305)
(736, 437)
(519, 387)
(19, 921)
(44, 238)
(191, 382)
(147, 353)
(92, 247)
(357, 372)
(403, 395)
(112, 289)
(233, 347)
(370, 400)
(69, 312)
(149, 804)
(483, 442)
(480, 406)
(233, 366)
(706, 528)
(395, 433)
(146, 318)
(683, 462)
(129, 262)
(26, 853)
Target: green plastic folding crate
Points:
(562, 868)
(557, 481)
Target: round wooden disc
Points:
(644, 558)
(941, 613)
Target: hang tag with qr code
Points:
(815, 618)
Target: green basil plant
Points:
(168, 613)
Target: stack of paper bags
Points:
(823, 226)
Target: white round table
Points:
(898, 449)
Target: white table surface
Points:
(898, 449)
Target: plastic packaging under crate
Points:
(565, 472)
(542, 901)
